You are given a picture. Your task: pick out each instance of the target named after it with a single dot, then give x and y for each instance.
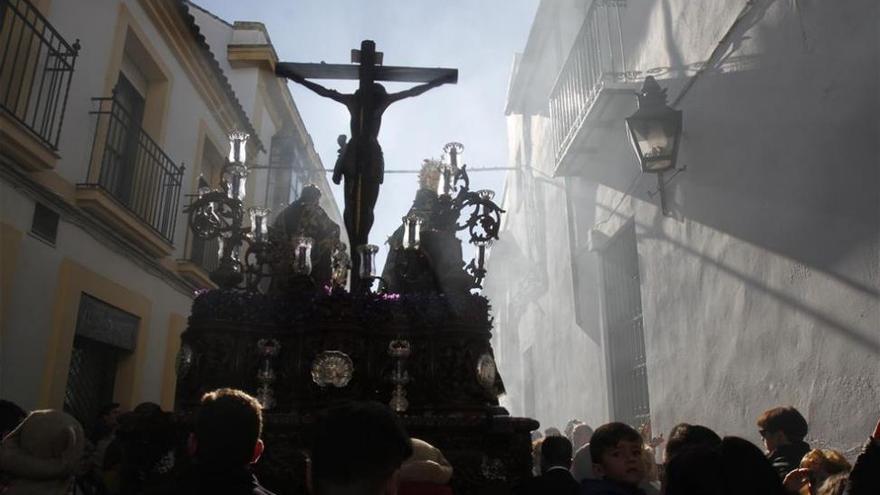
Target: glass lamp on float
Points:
(367, 273)
(654, 131)
(302, 256)
(255, 257)
(412, 231)
(259, 224)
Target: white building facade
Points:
(758, 286)
(102, 147)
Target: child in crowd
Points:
(616, 449)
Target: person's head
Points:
(616, 449)
(51, 434)
(581, 436)
(684, 436)
(745, 469)
(781, 426)
(835, 485)
(227, 429)
(734, 467)
(569, 428)
(109, 414)
(107, 421)
(552, 432)
(555, 451)
(11, 415)
(357, 448)
(694, 471)
(310, 194)
(824, 463)
(537, 435)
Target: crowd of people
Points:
(362, 448)
(616, 459)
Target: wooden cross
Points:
(360, 161)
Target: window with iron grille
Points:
(103, 335)
(625, 332)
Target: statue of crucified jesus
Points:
(360, 163)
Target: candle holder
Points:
(412, 231)
(367, 272)
(219, 214)
(399, 350)
(268, 350)
(302, 255)
(340, 263)
(259, 224)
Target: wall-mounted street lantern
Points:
(654, 129)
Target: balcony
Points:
(593, 71)
(132, 184)
(36, 66)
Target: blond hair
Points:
(828, 460)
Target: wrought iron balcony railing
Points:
(596, 58)
(36, 65)
(133, 169)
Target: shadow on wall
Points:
(782, 156)
(857, 336)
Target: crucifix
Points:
(361, 163)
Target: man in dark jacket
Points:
(864, 478)
(783, 430)
(555, 475)
(226, 442)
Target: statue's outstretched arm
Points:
(317, 88)
(421, 88)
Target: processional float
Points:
(301, 321)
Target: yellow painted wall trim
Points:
(195, 274)
(262, 55)
(176, 326)
(199, 70)
(54, 183)
(73, 280)
(100, 204)
(10, 245)
(27, 150)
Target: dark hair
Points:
(555, 451)
(607, 436)
(228, 425)
(357, 444)
(746, 469)
(694, 471)
(684, 436)
(734, 467)
(785, 419)
(11, 415)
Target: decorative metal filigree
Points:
(484, 221)
(332, 368)
(487, 371)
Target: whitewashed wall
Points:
(762, 286)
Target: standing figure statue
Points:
(360, 161)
